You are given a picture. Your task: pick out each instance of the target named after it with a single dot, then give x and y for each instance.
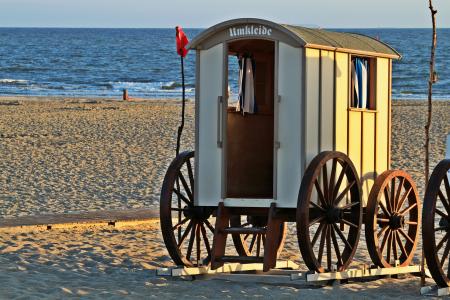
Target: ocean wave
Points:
(168, 87)
(13, 81)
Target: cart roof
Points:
(300, 36)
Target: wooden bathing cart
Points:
(312, 154)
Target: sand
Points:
(118, 263)
(72, 155)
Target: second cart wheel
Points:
(188, 239)
(436, 224)
(329, 212)
(392, 221)
(253, 244)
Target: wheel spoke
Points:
(332, 180)
(402, 247)
(329, 262)
(197, 235)
(191, 175)
(318, 219)
(177, 209)
(349, 223)
(440, 228)
(444, 201)
(322, 243)
(316, 235)
(439, 212)
(404, 197)
(258, 245)
(350, 205)
(317, 206)
(384, 209)
(339, 181)
(392, 195)
(382, 231)
(382, 220)
(447, 187)
(182, 197)
(441, 243)
(403, 212)
(252, 243)
(399, 191)
(336, 247)
(185, 234)
(246, 236)
(387, 198)
(320, 193)
(341, 235)
(389, 247)
(325, 183)
(394, 245)
(205, 239)
(186, 187)
(191, 241)
(180, 224)
(344, 192)
(406, 235)
(209, 225)
(411, 223)
(445, 254)
(385, 238)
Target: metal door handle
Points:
(219, 121)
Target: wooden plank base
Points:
(357, 273)
(226, 268)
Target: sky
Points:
(205, 13)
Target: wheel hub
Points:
(334, 215)
(196, 212)
(396, 221)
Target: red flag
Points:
(182, 41)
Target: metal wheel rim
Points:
(329, 231)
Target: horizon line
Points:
(85, 27)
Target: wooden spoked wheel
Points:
(252, 244)
(186, 230)
(436, 224)
(392, 221)
(329, 212)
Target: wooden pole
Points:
(183, 107)
(432, 79)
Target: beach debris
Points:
(125, 95)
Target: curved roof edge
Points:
(305, 37)
(206, 34)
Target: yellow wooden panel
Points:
(312, 104)
(368, 153)
(341, 102)
(327, 101)
(354, 136)
(382, 118)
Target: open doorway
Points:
(250, 132)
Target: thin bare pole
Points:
(432, 79)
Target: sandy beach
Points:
(72, 155)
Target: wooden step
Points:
(241, 259)
(244, 230)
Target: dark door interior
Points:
(250, 137)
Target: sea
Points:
(102, 62)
